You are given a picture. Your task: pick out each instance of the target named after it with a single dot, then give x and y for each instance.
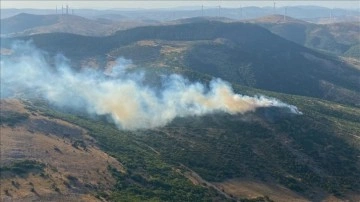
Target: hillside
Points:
(269, 154)
(226, 50)
(28, 24)
(337, 38)
(46, 158)
(276, 19)
(25, 21)
(56, 145)
(200, 19)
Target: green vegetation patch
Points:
(12, 118)
(317, 150)
(148, 177)
(22, 168)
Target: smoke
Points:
(120, 94)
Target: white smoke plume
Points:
(131, 104)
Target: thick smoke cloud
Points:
(122, 95)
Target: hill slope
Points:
(337, 38)
(312, 157)
(240, 53)
(43, 158)
(269, 152)
(28, 24)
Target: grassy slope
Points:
(335, 38)
(29, 24)
(294, 72)
(148, 177)
(47, 159)
(312, 154)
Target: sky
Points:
(355, 4)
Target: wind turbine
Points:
(202, 10)
(219, 7)
(274, 8)
(241, 13)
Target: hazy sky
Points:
(169, 4)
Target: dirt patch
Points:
(171, 49)
(146, 43)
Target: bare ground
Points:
(51, 141)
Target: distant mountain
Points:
(337, 38)
(25, 21)
(200, 19)
(308, 13)
(276, 19)
(237, 52)
(112, 17)
(334, 19)
(29, 24)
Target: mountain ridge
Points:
(255, 56)
(25, 24)
(334, 37)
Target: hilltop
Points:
(276, 19)
(29, 24)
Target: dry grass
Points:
(24, 141)
(247, 188)
(146, 43)
(12, 105)
(352, 62)
(171, 49)
(251, 189)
